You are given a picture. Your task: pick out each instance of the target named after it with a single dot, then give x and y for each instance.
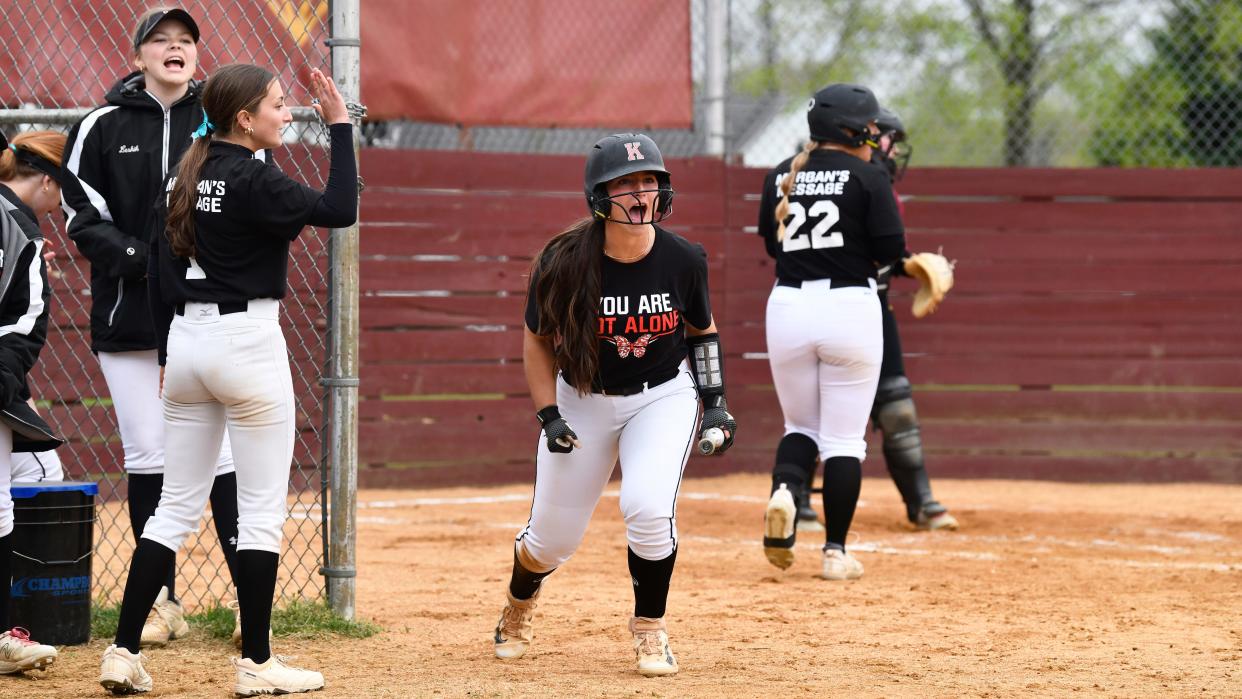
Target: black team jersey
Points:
(843, 219)
(643, 311)
(246, 214)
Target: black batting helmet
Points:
(625, 154)
(842, 106)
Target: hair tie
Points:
(12, 147)
(204, 129)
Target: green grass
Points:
(303, 619)
(104, 619)
(297, 619)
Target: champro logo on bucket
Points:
(53, 586)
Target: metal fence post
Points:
(717, 38)
(342, 380)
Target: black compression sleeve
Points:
(338, 207)
(888, 249)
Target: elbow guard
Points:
(707, 363)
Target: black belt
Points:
(832, 284)
(635, 388)
(225, 307)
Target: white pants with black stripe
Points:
(134, 384)
(825, 346)
(651, 433)
(227, 372)
(36, 467)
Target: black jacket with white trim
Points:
(116, 161)
(24, 298)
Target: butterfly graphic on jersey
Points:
(636, 347)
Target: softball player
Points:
(217, 278)
(29, 173)
(893, 412)
(616, 306)
(828, 218)
(34, 175)
(119, 156)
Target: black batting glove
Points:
(716, 416)
(561, 437)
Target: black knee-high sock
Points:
(141, 589)
(144, 496)
(651, 580)
(795, 462)
(224, 515)
(842, 483)
(6, 579)
(256, 586)
(524, 584)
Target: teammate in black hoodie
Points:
(115, 165)
(29, 170)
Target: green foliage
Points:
(1025, 89)
(1183, 106)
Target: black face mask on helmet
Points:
(839, 107)
(895, 158)
(625, 154)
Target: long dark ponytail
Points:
(234, 88)
(567, 284)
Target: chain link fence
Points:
(1064, 83)
(79, 52)
(983, 83)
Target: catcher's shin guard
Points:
(894, 415)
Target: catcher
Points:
(893, 412)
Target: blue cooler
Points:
(53, 537)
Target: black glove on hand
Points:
(716, 415)
(561, 437)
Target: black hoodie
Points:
(115, 163)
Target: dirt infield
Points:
(1049, 589)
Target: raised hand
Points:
(326, 99)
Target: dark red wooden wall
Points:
(1093, 333)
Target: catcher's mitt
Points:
(935, 275)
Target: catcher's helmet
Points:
(842, 106)
(891, 124)
(625, 154)
(896, 156)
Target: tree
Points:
(1030, 61)
(979, 82)
(1183, 107)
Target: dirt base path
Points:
(1048, 589)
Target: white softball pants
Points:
(825, 346)
(6, 493)
(36, 467)
(226, 372)
(651, 432)
(134, 382)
